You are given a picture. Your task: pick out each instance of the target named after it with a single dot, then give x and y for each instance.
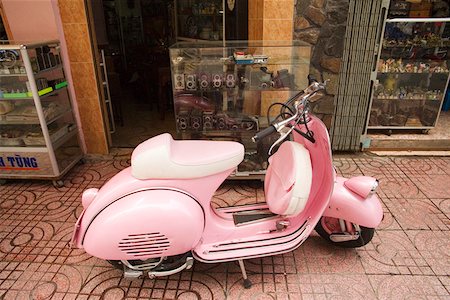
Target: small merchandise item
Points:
(43, 58)
(204, 80)
(284, 79)
(6, 107)
(178, 81)
(41, 83)
(230, 80)
(36, 137)
(217, 80)
(183, 120)
(189, 102)
(260, 59)
(11, 138)
(28, 113)
(191, 82)
(243, 59)
(208, 120)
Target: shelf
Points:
(414, 45)
(201, 15)
(56, 144)
(413, 59)
(409, 73)
(14, 75)
(186, 39)
(5, 149)
(43, 96)
(34, 122)
(400, 127)
(65, 138)
(35, 112)
(35, 73)
(405, 99)
(59, 116)
(417, 20)
(48, 70)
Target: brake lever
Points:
(283, 134)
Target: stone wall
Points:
(322, 24)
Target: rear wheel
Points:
(329, 227)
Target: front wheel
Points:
(329, 227)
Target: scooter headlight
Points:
(374, 186)
(363, 186)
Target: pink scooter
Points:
(155, 217)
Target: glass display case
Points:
(224, 91)
(38, 132)
(412, 74)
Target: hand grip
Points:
(262, 134)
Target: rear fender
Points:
(348, 205)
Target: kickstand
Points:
(247, 282)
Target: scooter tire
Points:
(365, 237)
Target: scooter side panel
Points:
(146, 224)
(123, 184)
(349, 206)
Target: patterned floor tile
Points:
(443, 163)
(407, 287)
(407, 258)
(236, 193)
(444, 206)
(389, 222)
(308, 286)
(419, 165)
(445, 280)
(398, 186)
(433, 186)
(434, 247)
(371, 166)
(392, 252)
(417, 214)
(346, 165)
(317, 256)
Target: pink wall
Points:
(31, 20)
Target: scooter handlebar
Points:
(314, 87)
(262, 134)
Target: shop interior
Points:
(134, 36)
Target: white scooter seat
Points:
(162, 157)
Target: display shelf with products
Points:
(36, 115)
(412, 74)
(199, 20)
(224, 91)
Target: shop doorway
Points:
(133, 37)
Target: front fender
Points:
(347, 205)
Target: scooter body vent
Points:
(144, 244)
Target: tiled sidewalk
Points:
(409, 257)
